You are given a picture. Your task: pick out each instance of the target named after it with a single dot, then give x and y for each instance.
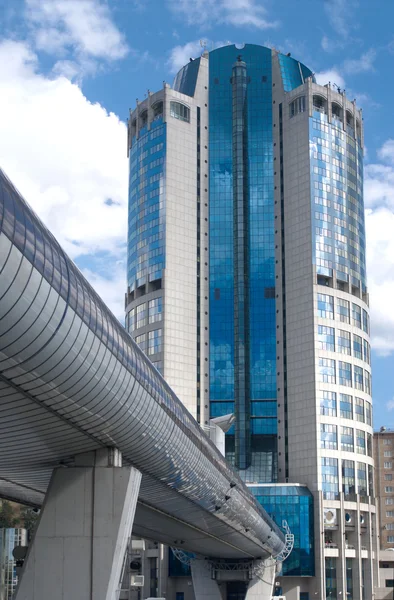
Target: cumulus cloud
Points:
(340, 15)
(180, 55)
(361, 65)
(67, 156)
(331, 75)
(379, 202)
(239, 13)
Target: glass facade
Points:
(242, 250)
(146, 226)
(295, 505)
(337, 205)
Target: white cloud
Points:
(77, 29)
(110, 288)
(390, 405)
(379, 201)
(340, 15)
(361, 65)
(66, 155)
(331, 75)
(180, 55)
(239, 13)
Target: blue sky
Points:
(71, 69)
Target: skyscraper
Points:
(247, 289)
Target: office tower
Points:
(247, 289)
(383, 447)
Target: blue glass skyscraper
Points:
(261, 282)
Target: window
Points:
(328, 436)
(388, 454)
(347, 441)
(141, 315)
(141, 341)
(358, 347)
(326, 338)
(362, 479)
(180, 111)
(180, 596)
(328, 404)
(369, 444)
(368, 413)
(327, 370)
(365, 321)
(358, 378)
(356, 315)
(388, 489)
(388, 477)
(390, 539)
(325, 306)
(389, 513)
(360, 441)
(390, 526)
(389, 501)
(367, 352)
(388, 464)
(330, 478)
(155, 341)
(359, 409)
(345, 373)
(344, 345)
(348, 479)
(343, 309)
(386, 442)
(155, 310)
(297, 106)
(346, 406)
(304, 595)
(131, 326)
(390, 582)
(367, 378)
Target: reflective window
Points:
(367, 352)
(155, 341)
(386, 442)
(328, 404)
(369, 445)
(345, 373)
(141, 341)
(325, 306)
(343, 310)
(362, 479)
(389, 489)
(131, 320)
(357, 346)
(359, 410)
(180, 111)
(347, 439)
(356, 315)
(387, 464)
(389, 501)
(365, 321)
(327, 370)
(297, 106)
(326, 338)
(141, 315)
(344, 342)
(330, 478)
(368, 413)
(328, 436)
(367, 379)
(387, 454)
(348, 479)
(155, 310)
(331, 577)
(358, 378)
(346, 406)
(360, 442)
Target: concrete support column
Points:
(261, 588)
(80, 543)
(205, 588)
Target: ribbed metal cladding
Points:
(72, 380)
(241, 266)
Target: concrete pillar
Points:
(80, 543)
(261, 588)
(205, 588)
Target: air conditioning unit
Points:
(136, 581)
(330, 516)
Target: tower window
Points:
(297, 106)
(180, 111)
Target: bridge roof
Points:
(72, 380)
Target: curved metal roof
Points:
(73, 380)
